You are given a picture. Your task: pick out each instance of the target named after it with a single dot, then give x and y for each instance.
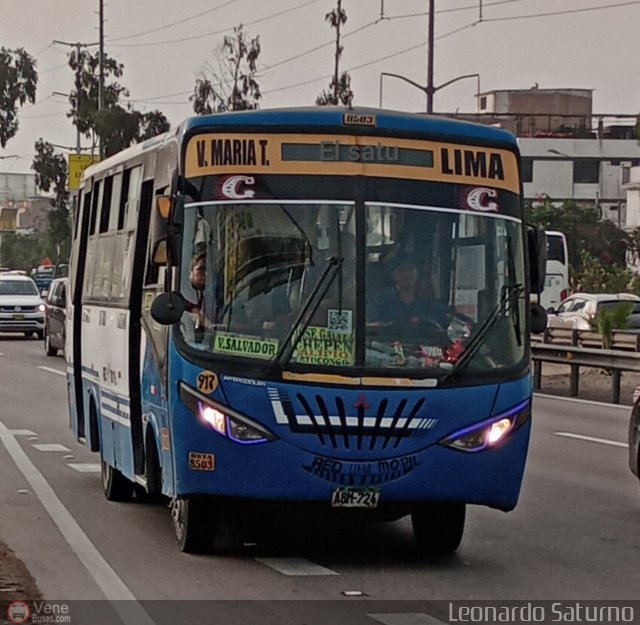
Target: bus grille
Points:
(362, 426)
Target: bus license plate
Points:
(352, 497)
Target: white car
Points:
(21, 308)
(579, 310)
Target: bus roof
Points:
(323, 119)
(333, 116)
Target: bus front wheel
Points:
(438, 527)
(195, 522)
(116, 486)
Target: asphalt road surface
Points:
(573, 536)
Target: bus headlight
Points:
(224, 420)
(490, 432)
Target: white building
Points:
(588, 171)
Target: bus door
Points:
(73, 346)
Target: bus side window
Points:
(95, 205)
(106, 205)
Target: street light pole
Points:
(428, 89)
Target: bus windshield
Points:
(278, 281)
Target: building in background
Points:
(568, 151)
(22, 209)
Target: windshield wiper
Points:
(507, 304)
(307, 311)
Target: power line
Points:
(215, 32)
(267, 67)
(374, 61)
(440, 11)
(45, 115)
(186, 19)
(598, 8)
(52, 69)
(322, 45)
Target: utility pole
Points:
(77, 46)
(431, 27)
(336, 69)
(101, 64)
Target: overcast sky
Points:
(566, 45)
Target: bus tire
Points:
(116, 486)
(438, 527)
(195, 523)
(153, 471)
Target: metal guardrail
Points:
(582, 348)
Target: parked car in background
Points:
(578, 311)
(55, 316)
(634, 317)
(21, 308)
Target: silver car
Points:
(578, 311)
(21, 308)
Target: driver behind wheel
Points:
(404, 302)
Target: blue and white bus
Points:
(319, 306)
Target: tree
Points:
(18, 82)
(233, 87)
(51, 174)
(602, 239)
(340, 86)
(115, 125)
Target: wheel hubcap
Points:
(177, 513)
(104, 474)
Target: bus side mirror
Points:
(167, 308)
(537, 249)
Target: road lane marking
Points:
(296, 566)
(408, 618)
(23, 433)
(52, 370)
(85, 467)
(591, 439)
(50, 447)
(582, 401)
(100, 570)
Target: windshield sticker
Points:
(340, 321)
(240, 345)
(321, 346)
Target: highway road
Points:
(573, 536)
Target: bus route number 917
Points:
(353, 497)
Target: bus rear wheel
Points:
(438, 527)
(116, 486)
(195, 522)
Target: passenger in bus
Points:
(194, 321)
(404, 301)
